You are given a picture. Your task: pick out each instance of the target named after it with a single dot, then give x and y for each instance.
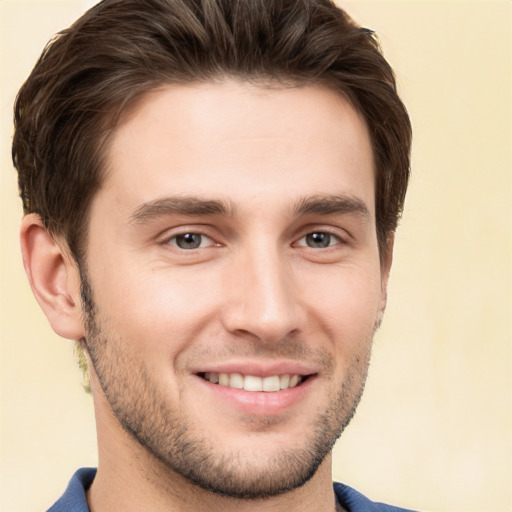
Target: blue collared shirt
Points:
(74, 500)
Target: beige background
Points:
(434, 429)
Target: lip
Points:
(259, 369)
(256, 403)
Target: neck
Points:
(126, 486)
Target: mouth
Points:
(270, 384)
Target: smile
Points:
(269, 384)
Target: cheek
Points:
(157, 310)
(347, 302)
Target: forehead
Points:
(232, 140)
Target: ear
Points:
(385, 268)
(53, 276)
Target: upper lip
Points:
(259, 368)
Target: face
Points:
(234, 281)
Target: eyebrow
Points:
(332, 204)
(189, 205)
(195, 206)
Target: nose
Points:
(262, 301)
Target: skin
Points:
(258, 294)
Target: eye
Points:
(190, 241)
(319, 240)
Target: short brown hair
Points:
(121, 49)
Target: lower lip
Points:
(259, 403)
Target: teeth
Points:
(284, 381)
(294, 380)
(212, 377)
(272, 383)
(236, 381)
(253, 383)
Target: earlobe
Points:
(53, 277)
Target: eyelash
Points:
(174, 241)
(324, 233)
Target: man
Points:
(211, 192)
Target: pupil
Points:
(319, 239)
(188, 241)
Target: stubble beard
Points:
(143, 412)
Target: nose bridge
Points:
(262, 301)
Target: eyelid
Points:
(338, 240)
(173, 241)
(171, 234)
(340, 234)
